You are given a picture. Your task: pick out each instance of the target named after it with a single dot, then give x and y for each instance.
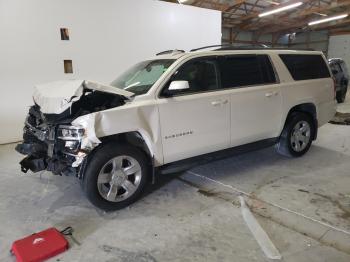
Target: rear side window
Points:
(246, 70)
(304, 67)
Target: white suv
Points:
(165, 113)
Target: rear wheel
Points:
(116, 176)
(297, 135)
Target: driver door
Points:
(196, 120)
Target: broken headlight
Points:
(71, 136)
(70, 133)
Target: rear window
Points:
(246, 70)
(304, 67)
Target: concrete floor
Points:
(185, 219)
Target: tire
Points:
(115, 176)
(299, 126)
(341, 95)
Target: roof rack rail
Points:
(171, 52)
(263, 48)
(205, 47)
(248, 47)
(230, 46)
(244, 47)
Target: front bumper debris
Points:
(27, 149)
(35, 160)
(42, 148)
(54, 146)
(33, 164)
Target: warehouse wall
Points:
(339, 47)
(244, 37)
(314, 40)
(106, 36)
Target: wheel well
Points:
(132, 138)
(306, 108)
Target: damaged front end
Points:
(51, 142)
(50, 146)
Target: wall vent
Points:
(64, 33)
(68, 66)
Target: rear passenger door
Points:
(255, 97)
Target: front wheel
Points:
(297, 135)
(116, 176)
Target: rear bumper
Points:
(325, 112)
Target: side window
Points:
(201, 75)
(304, 67)
(246, 70)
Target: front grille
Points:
(41, 134)
(36, 130)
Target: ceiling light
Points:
(328, 19)
(320, 14)
(272, 2)
(281, 9)
(182, 1)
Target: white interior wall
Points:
(106, 36)
(339, 47)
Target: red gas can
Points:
(39, 246)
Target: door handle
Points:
(274, 93)
(216, 103)
(219, 102)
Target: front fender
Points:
(143, 119)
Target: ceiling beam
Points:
(243, 15)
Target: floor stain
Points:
(336, 202)
(267, 183)
(122, 255)
(263, 212)
(208, 193)
(226, 196)
(341, 119)
(304, 191)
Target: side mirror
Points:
(335, 71)
(178, 85)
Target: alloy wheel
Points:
(301, 135)
(119, 178)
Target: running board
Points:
(183, 165)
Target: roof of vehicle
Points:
(333, 60)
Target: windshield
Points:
(141, 77)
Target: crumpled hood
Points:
(57, 97)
